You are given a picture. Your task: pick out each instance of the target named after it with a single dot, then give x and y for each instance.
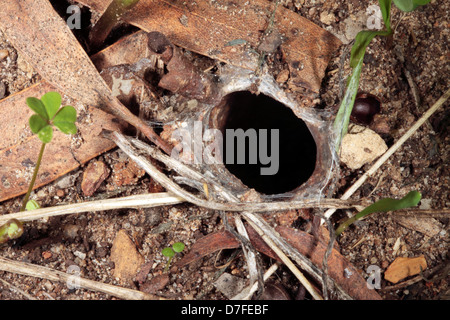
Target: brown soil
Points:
(85, 240)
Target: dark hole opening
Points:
(296, 156)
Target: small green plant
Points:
(170, 252)
(32, 205)
(340, 125)
(48, 113)
(12, 229)
(362, 40)
(383, 205)
(410, 5)
(110, 18)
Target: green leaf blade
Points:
(66, 127)
(362, 40)
(168, 252)
(412, 199)
(410, 5)
(342, 119)
(46, 134)
(66, 114)
(37, 106)
(385, 7)
(178, 247)
(52, 102)
(36, 123)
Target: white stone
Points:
(360, 146)
(80, 255)
(327, 18)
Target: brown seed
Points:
(365, 108)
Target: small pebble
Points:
(327, 18)
(93, 176)
(283, 76)
(71, 231)
(80, 255)
(60, 193)
(3, 54)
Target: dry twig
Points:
(14, 288)
(136, 201)
(174, 188)
(32, 270)
(255, 221)
(252, 288)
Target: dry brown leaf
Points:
(127, 50)
(339, 269)
(209, 244)
(19, 148)
(208, 29)
(426, 225)
(49, 46)
(404, 267)
(95, 173)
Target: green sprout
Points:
(12, 229)
(32, 205)
(383, 205)
(108, 20)
(362, 40)
(48, 113)
(410, 5)
(170, 252)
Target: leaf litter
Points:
(376, 236)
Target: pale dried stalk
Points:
(259, 224)
(136, 201)
(250, 290)
(171, 186)
(32, 270)
(14, 288)
(251, 262)
(189, 173)
(283, 257)
(392, 150)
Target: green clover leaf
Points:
(52, 102)
(37, 123)
(37, 106)
(49, 113)
(46, 134)
(65, 119)
(32, 205)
